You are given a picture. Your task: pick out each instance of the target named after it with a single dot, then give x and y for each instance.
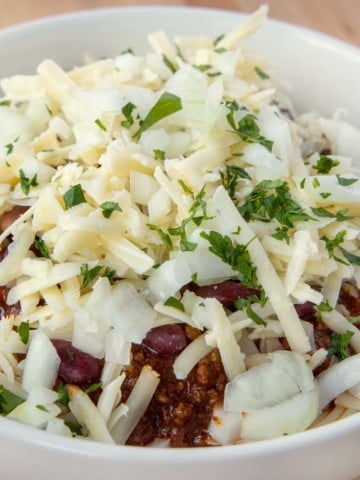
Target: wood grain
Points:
(340, 18)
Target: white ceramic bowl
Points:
(324, 74)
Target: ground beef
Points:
(180, 410)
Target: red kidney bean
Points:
(306, 311)
(226, 292)
(77, 367)
(10, 216)
(166, 340)
(350, 297)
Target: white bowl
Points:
(325, 75)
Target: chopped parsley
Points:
(333, 243)
(63, 396)
(282, 233)
(236, 256)
(302, 183)
(196, 217)
(339, 344)
(325, 164)
(271, 200)
(323, 307)
(345, 182)
(174, 303)
(218, 39)
(165, 237)
(74, 428)
(340, 215)
(100, 124)
(246, 128)
(108, 208)
(42, 248)
(74, 196)
(171, 66)
(42, 408)
(89, 274)
(93, 388)
(255, 317)
(166, 105)
(110, 274)
(159, 154)
(315, 182)
(5, 103)
(230, 178)
(27, 183)
(23, 331)
(325, 194)
(263, 75)
(8, 401)
(127, 111)
(203, 68)
(220, 50)
(350, 257)
(185, 188)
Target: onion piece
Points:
(137, 402)
(225, 426)
(269, 383)
(87, 414)
(41, 364)
(339, 378)
(292, 416)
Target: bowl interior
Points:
(324, 73)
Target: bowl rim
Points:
(119, 453)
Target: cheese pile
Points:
(142, 174)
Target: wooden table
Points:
(340, 18)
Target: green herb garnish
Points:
(325, 164)
(230, 178)
(255, 317)
(127, 112)
(159, 154)
(350, 257)
(62, 392)
(93, 388)
(42, 248)
(108, 208)
(340, 215)
(5, 103)
(8, 401)
(100, 124)
(171, 66)
(237, 256)
(345, 182)
(23, 331)
(165, 237)
(74, 196)
(185, 188)
(325, 194)
(333, 243)
(27, 183)
(165, 106)
(89, 274)
(263, 75)
(174, 303)
(246, 128)
(339, 344)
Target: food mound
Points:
(180, 262)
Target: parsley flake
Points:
(5, 103)
(246, 128)
(350, 257)
(159, 154)
(93, 388)
(325, 164)
(166, 105)
(62, 392)
(345, 182)
(127, 111)
(269, 200)
(74, 196)
(315, 182)
(255, 317)
(263, 75)
(237, 256)
(340, 215)
(100, 124)
(42, 248)
(42, 408)
(108, 208)
(23, 331)
(163, 235)
(174, 303)
(89, 274)
(185, 188)
(333, 243)
(8, 401)
(325, 195)
(339, 344)
(27, 183)
(171, 66)
(230, 178)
